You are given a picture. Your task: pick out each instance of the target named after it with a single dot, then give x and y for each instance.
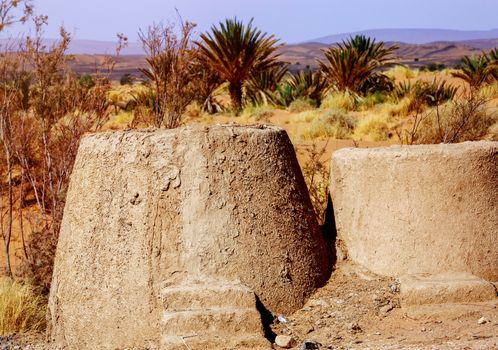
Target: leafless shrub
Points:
(465, 118)
(171, 62)
(44, 111)
(316, 175)
(14, 11)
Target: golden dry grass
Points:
(22, 310)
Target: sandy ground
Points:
(359, 310)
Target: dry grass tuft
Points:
(374, 127)
(22, 310)
(339, 100)
(301, 105)
(256, 114)
(332, 124)
(401, 73)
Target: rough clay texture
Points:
(445, 288)
(418, 209)
(148, 212)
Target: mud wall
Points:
(418, 209)
(147, 211)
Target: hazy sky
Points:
(291, 20)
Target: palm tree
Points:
(261, 87)
(479, 70)
(355, 64)
(309, 85)
(237, 52)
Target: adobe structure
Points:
(179, 238)
(418, 209)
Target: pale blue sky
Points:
(291, 20)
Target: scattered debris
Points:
(285, 341)
(354, 327)
(482, 320)
(282, 319)
(310, 345)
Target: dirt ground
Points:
(359, 310)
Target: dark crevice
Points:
(267, 319)
(329, 231)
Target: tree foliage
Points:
(355, 64)
(238, 52)
(480, 70)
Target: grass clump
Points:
(371, 100)
(301, 105)
(332, 124)
(257, 113)
(307, 116)
(401, 73)
(374, 127)
(339, 100)
(22, 310)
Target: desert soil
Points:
(359, 310)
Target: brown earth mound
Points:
(419, 209)
(150, 215)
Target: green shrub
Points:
(86, 80)
(126, 79)
(369, 101)
(424, 93)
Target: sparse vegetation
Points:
(171, 61)
(316, 174)
(330, 124)
(22, 309)
(45, 108)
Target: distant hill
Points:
(300, 56)
(414, 35)
(88, 47)
(94, 47)
(414, 55)
(417, 47)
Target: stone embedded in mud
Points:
(418, 209)
(150, 213)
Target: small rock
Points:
(281, 319)
(394, 288)
(354, 327)
(482, 320)
(310, 345)
(285, 341)
(309, 329)
(386, 308)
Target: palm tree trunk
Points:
(235, 90)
